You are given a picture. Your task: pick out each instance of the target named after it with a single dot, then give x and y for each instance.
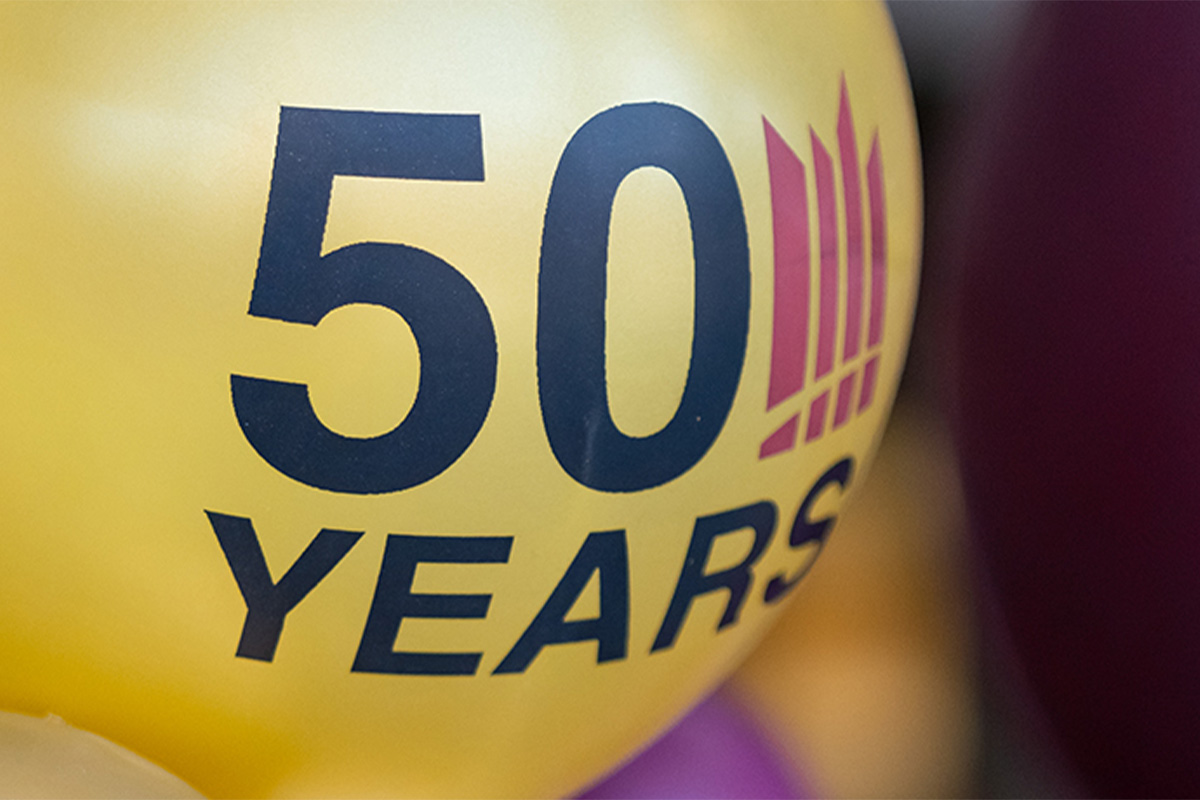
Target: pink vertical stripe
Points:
(870, 373)
(878, 244)
(852, 194)
(781, 440)
(789, 213)
(845, 399)
(827, 224)
(816, 417)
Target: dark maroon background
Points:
(1075, 385)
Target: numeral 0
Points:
(571, 294)
(449, 319)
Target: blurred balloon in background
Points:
(1076, 383)
(717, 751)
(47, 758)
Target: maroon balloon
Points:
(713, 753)
(1077, 381)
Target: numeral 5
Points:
(295, 283)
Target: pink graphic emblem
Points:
(834, 380)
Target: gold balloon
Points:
(431, 399)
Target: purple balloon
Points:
(713, 753)
(1078, 382)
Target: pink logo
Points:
(831, 377)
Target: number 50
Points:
(450, 320)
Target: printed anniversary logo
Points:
(457, 342)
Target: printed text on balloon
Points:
(268, 601)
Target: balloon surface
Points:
(431, 399)
(1077, 383)
(716, 752)
(48, 758)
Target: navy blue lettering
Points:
(295, 283)
(394, 600)
(694, 581)
(806, 530)
(268, 602)
(605, 553)
(572, 288)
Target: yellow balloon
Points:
(431, 399)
